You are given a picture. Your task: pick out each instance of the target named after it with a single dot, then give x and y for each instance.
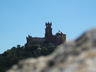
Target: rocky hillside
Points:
(74, 56)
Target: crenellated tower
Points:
(48, 32)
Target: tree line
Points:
(13, 55)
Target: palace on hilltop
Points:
(48, 40)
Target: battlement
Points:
(48, 23)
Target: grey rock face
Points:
(75, 56)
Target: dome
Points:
(59, 32)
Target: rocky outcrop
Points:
(74, 56)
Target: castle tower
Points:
(48, 32)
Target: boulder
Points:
(75, 56)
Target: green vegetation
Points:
(12, 56)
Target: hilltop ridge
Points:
(74, 56)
